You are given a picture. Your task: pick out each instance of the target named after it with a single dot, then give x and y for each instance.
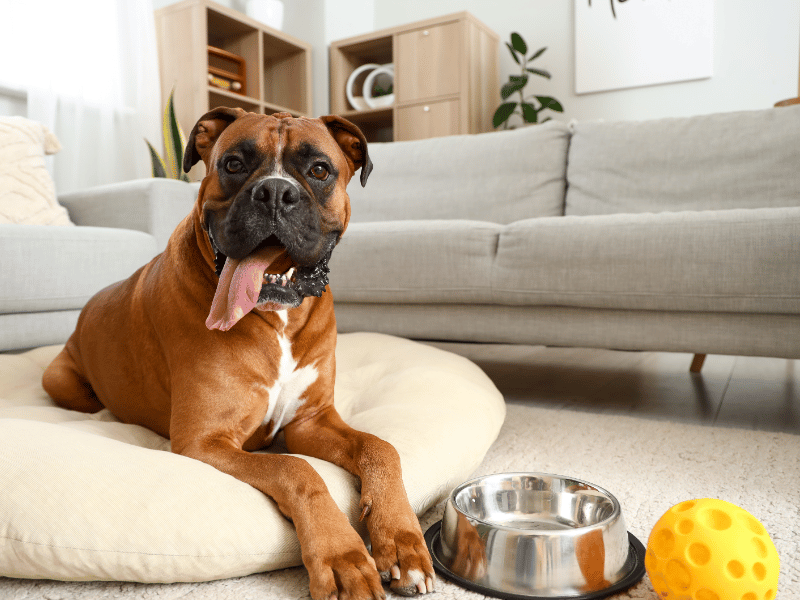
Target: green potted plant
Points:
(174, 142)
(528, 107)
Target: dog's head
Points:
(273, 203)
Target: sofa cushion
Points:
(732, 261)
(415, 261)
(27, 192)
(60, 268)
(731, 160)
(498, 177)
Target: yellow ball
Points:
(711, 550)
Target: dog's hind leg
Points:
(67, 386)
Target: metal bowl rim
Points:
(616, 513)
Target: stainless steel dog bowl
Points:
(535, 535)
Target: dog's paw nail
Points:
(385, 576)
(395, 572)
(421, 587)
(429, 584)
(365, 510)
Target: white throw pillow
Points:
(27, 193)
(85, 497)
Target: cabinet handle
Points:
(426, 108)
(426, 32)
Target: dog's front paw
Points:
(351, 575)
(344, 569)
(400, 554)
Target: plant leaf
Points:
(516, 84)
(540, 72)
(539, 52)
(551, 103)
(529, 113)
(503, 112)
(519, 44)
(159, 169)
(174, 140)
(513, 54)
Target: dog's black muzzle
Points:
(275, 211)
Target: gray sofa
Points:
(673, 235)
(49, 272)
(676, 235)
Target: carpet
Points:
(648, 465)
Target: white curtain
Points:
(90, 70)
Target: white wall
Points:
(13, 102)
(756, 50)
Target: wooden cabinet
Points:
(278, 66)
(434, 119)
(427, 62)
(446, 78)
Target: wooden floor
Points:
(731, 391)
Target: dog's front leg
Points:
(338, 563)
(398, 546)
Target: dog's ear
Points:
(205, 134)
(353, 144)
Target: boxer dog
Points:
(228, 337)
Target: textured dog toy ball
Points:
(711, 550)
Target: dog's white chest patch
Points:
(286, 394)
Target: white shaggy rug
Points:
(648, 465)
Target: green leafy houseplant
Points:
(530, 106)
(174, 142)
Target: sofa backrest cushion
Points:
(728, 160)
(498, 177)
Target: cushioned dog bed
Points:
(86, 497)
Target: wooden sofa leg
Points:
(697, 363)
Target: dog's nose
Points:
(276, 190)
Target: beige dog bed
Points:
(86, 497)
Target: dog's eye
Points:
(234, 166)
(320, 171)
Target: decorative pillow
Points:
(85, 497)
(27, 193)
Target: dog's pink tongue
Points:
(238, 288)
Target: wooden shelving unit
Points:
(446, 78)
(278, 66)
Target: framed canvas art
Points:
(633, 43)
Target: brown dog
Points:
(228, 336)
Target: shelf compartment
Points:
(372, 115)
(286, 70)
(374, 123)
(347, 58)
(230, 35)
(219, 97)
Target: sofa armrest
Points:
(154, 206)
